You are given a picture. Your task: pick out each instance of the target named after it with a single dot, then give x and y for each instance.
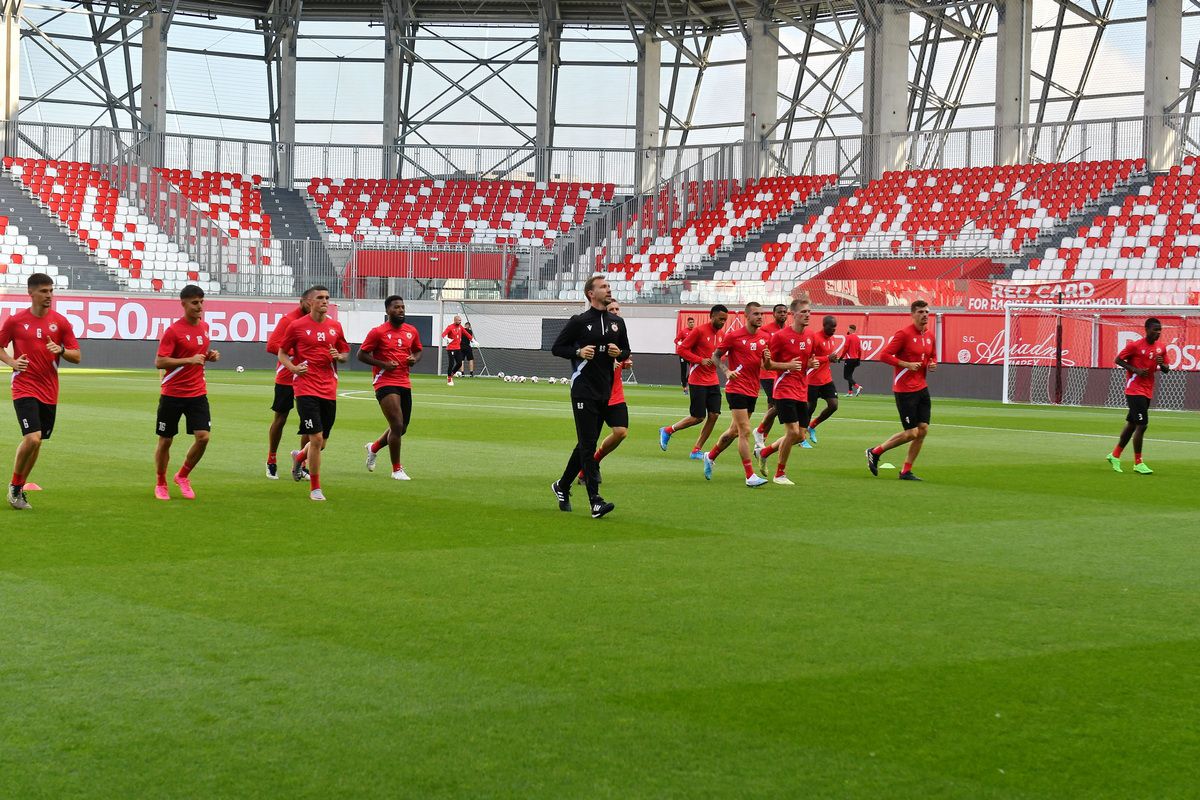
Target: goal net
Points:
(1064, 354)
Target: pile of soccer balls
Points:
(522, 379)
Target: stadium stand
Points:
(19, 258)
(107, 225)
(991, 211)
(234, 202)
(672, 252)
(1152, 234)
(379, 212)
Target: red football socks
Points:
(379, 444)
(780, 471)
(746, 465)
(907, 467)
(1117, 452)
(397, 466)
(270, 458)
(877, 451)
(760, 430)
(162, 479)
(18, 480)
(768, 450)
(314, 480)
(185, 470)
(712, 454)
(1137, 458)
(598, 456)
(814, 424)
(670, 429)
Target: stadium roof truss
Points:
(821, 38)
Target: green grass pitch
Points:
(1023, 624)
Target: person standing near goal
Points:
(595, 342)
(40, 336)
(851, 358)
(703, 385)
(911, 352)
(391, 350)
(745, 350)
(452, 338)
(319, 346)
(184, 350)
(1140, 360)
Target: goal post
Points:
(512, 337)
(1064, 354)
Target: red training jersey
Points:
(744, 352)
(823, 347)
(909, 344)
(700, 344)
(853, 346)
(283, 376)
(1143, 355)
(392, 344)
(454, 334)
(29, 334)
(310, 342)
(184, 340)
(618, 391)
(787, 345)
(769, 330)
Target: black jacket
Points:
(592, 380)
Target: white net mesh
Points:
(1063, 355)
(512, 337)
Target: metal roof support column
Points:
(549, 32)
(153, 108)
(1164, 32)
(649, 95)
(10, 41)
(396, 23)
(1014, 35)
(285, 158)
(762, 92)
(885, 90)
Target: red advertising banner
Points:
(1181, 336)
(145, 318)
(993, 295)
(979, 339)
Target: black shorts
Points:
(793, 411)
(285, 399)
(705, 400)
(193, 409)
(405, 395)
(616, 416)
(914, 407)
(1139, 409)
(34, 415)
(826, 391)
(465, 354)
(740, 402)
(317, 415)
(768, 386)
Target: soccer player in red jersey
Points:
(774, 325)
(40, 336)
(820, 380)
(182, 353)
(1140, 360)
(285, 398)
(790, 353)
(697, 349)
(851, 358)
(913, 355)
(452, 337)
(319, 346)
(745, 350)
(683, 364)
(616, 416)
(391, 350)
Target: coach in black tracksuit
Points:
(596, 342)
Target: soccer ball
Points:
(535, 378)
(502, 376)
(521, 379)
(240, 368)
(458, 374)
(506, 378)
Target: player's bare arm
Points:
(366, 358)
(73, 356)
(295, 369)
(1125, 365)
(213, 355)
(163, 362)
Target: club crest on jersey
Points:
(53, 328)
(614, 327)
